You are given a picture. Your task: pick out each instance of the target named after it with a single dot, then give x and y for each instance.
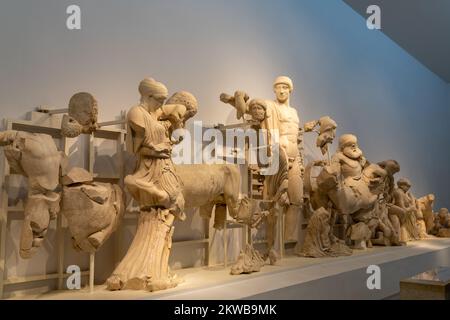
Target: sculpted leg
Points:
(271, 231)
(26, 239)
(220, 216)
(206, 210)
(295, 192)
(39, 210)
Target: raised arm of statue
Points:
(7, 137)
(238, 101)
(309, 126)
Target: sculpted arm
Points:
(7, 137)
(238, 101)
(309, 126)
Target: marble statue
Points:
(185, 99)
(325, 137)
(179, 108)
(222, 191)
(404, 199)
(368, 212)
(444, 218)
(275, 186)
(279, 115)
(426, 204)
(82, 116)
(361, 234)
(420, 224)
(290, 139)
(326, 132)
(348, 164)
(389, 230)
(318, 242)
(352, 186)
(164, 190)
(93, 210)
(239, 101)
(156, 186)
(36, 157)
(441, 226)
(249, 261)
(275, 189)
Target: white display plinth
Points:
(296, 278)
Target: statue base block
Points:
(295, 277)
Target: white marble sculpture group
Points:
(344, 201)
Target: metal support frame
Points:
(61, 228)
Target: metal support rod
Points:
(91, 271)
(60, 233)
(225, 245)
(50, 111)
(111, 123)
(281, 223)
(206, 223)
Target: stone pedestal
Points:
(430, 285)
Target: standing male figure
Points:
(281, 111)
(280, 119)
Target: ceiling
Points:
(421, 27)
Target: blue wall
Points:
(369, 85)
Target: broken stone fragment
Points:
(93, 212)
(76, 176)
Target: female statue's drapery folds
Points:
(154, 183)
(156, 187)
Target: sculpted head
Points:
(327, 131)
(443, 216)
(348, 145)
(283, 86)
(82, 115)
(257, 108)
(391, 166)
(186, 99)
(431, 197)
(404, 184)
(153, 93)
